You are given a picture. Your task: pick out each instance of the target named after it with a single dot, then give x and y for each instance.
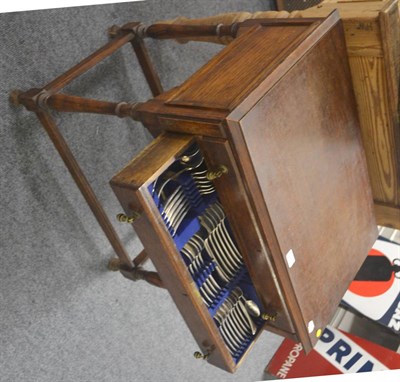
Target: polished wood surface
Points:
(226, 19)
(295, 174)
(373, 46)
(293, 169)
(311, 171)
(237, 205)
(232, 73)
(152, 161)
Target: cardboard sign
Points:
(336, 352)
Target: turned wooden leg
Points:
(225, 19)
(43, 100)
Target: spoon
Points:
(250, 305)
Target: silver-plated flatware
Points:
(249, 320)
(228, 340)
(216, 255)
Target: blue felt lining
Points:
(191, 225)
(244, 282)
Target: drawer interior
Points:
(188, 204)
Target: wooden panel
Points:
(192, 127)
(238, 210)
(277, 72)
(158, 116)
(231, 74)
(389, 20)
(370, 86)
(311, 170)
(387, 215)
(347, 10)
(151, 161)
(372, 30)
(375, 67)
(363, 37)
(361, 24)
(390, 26)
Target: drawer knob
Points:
(199, 355)
(114, 264)
(268, 317)
(122, 218)
(215, 174)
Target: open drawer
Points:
(198, 239)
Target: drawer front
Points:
(191, 240)
(235, 199)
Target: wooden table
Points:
(372, 34)
(291, 178)
(295, 188)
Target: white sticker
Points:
(290, 259)
(311, 326)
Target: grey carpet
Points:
(63, 316)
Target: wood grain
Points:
(363, 37)
(387, 215)
(370, 86)
(70, 103)
(233, 75)
(372, 30)
(238, 210)
(389, 20)
(152, 161)
(226, 19)
(309, 166)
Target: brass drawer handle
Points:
(114, 264)
(199, 355)
(122, 218)
(215, 174)
(268, 317)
